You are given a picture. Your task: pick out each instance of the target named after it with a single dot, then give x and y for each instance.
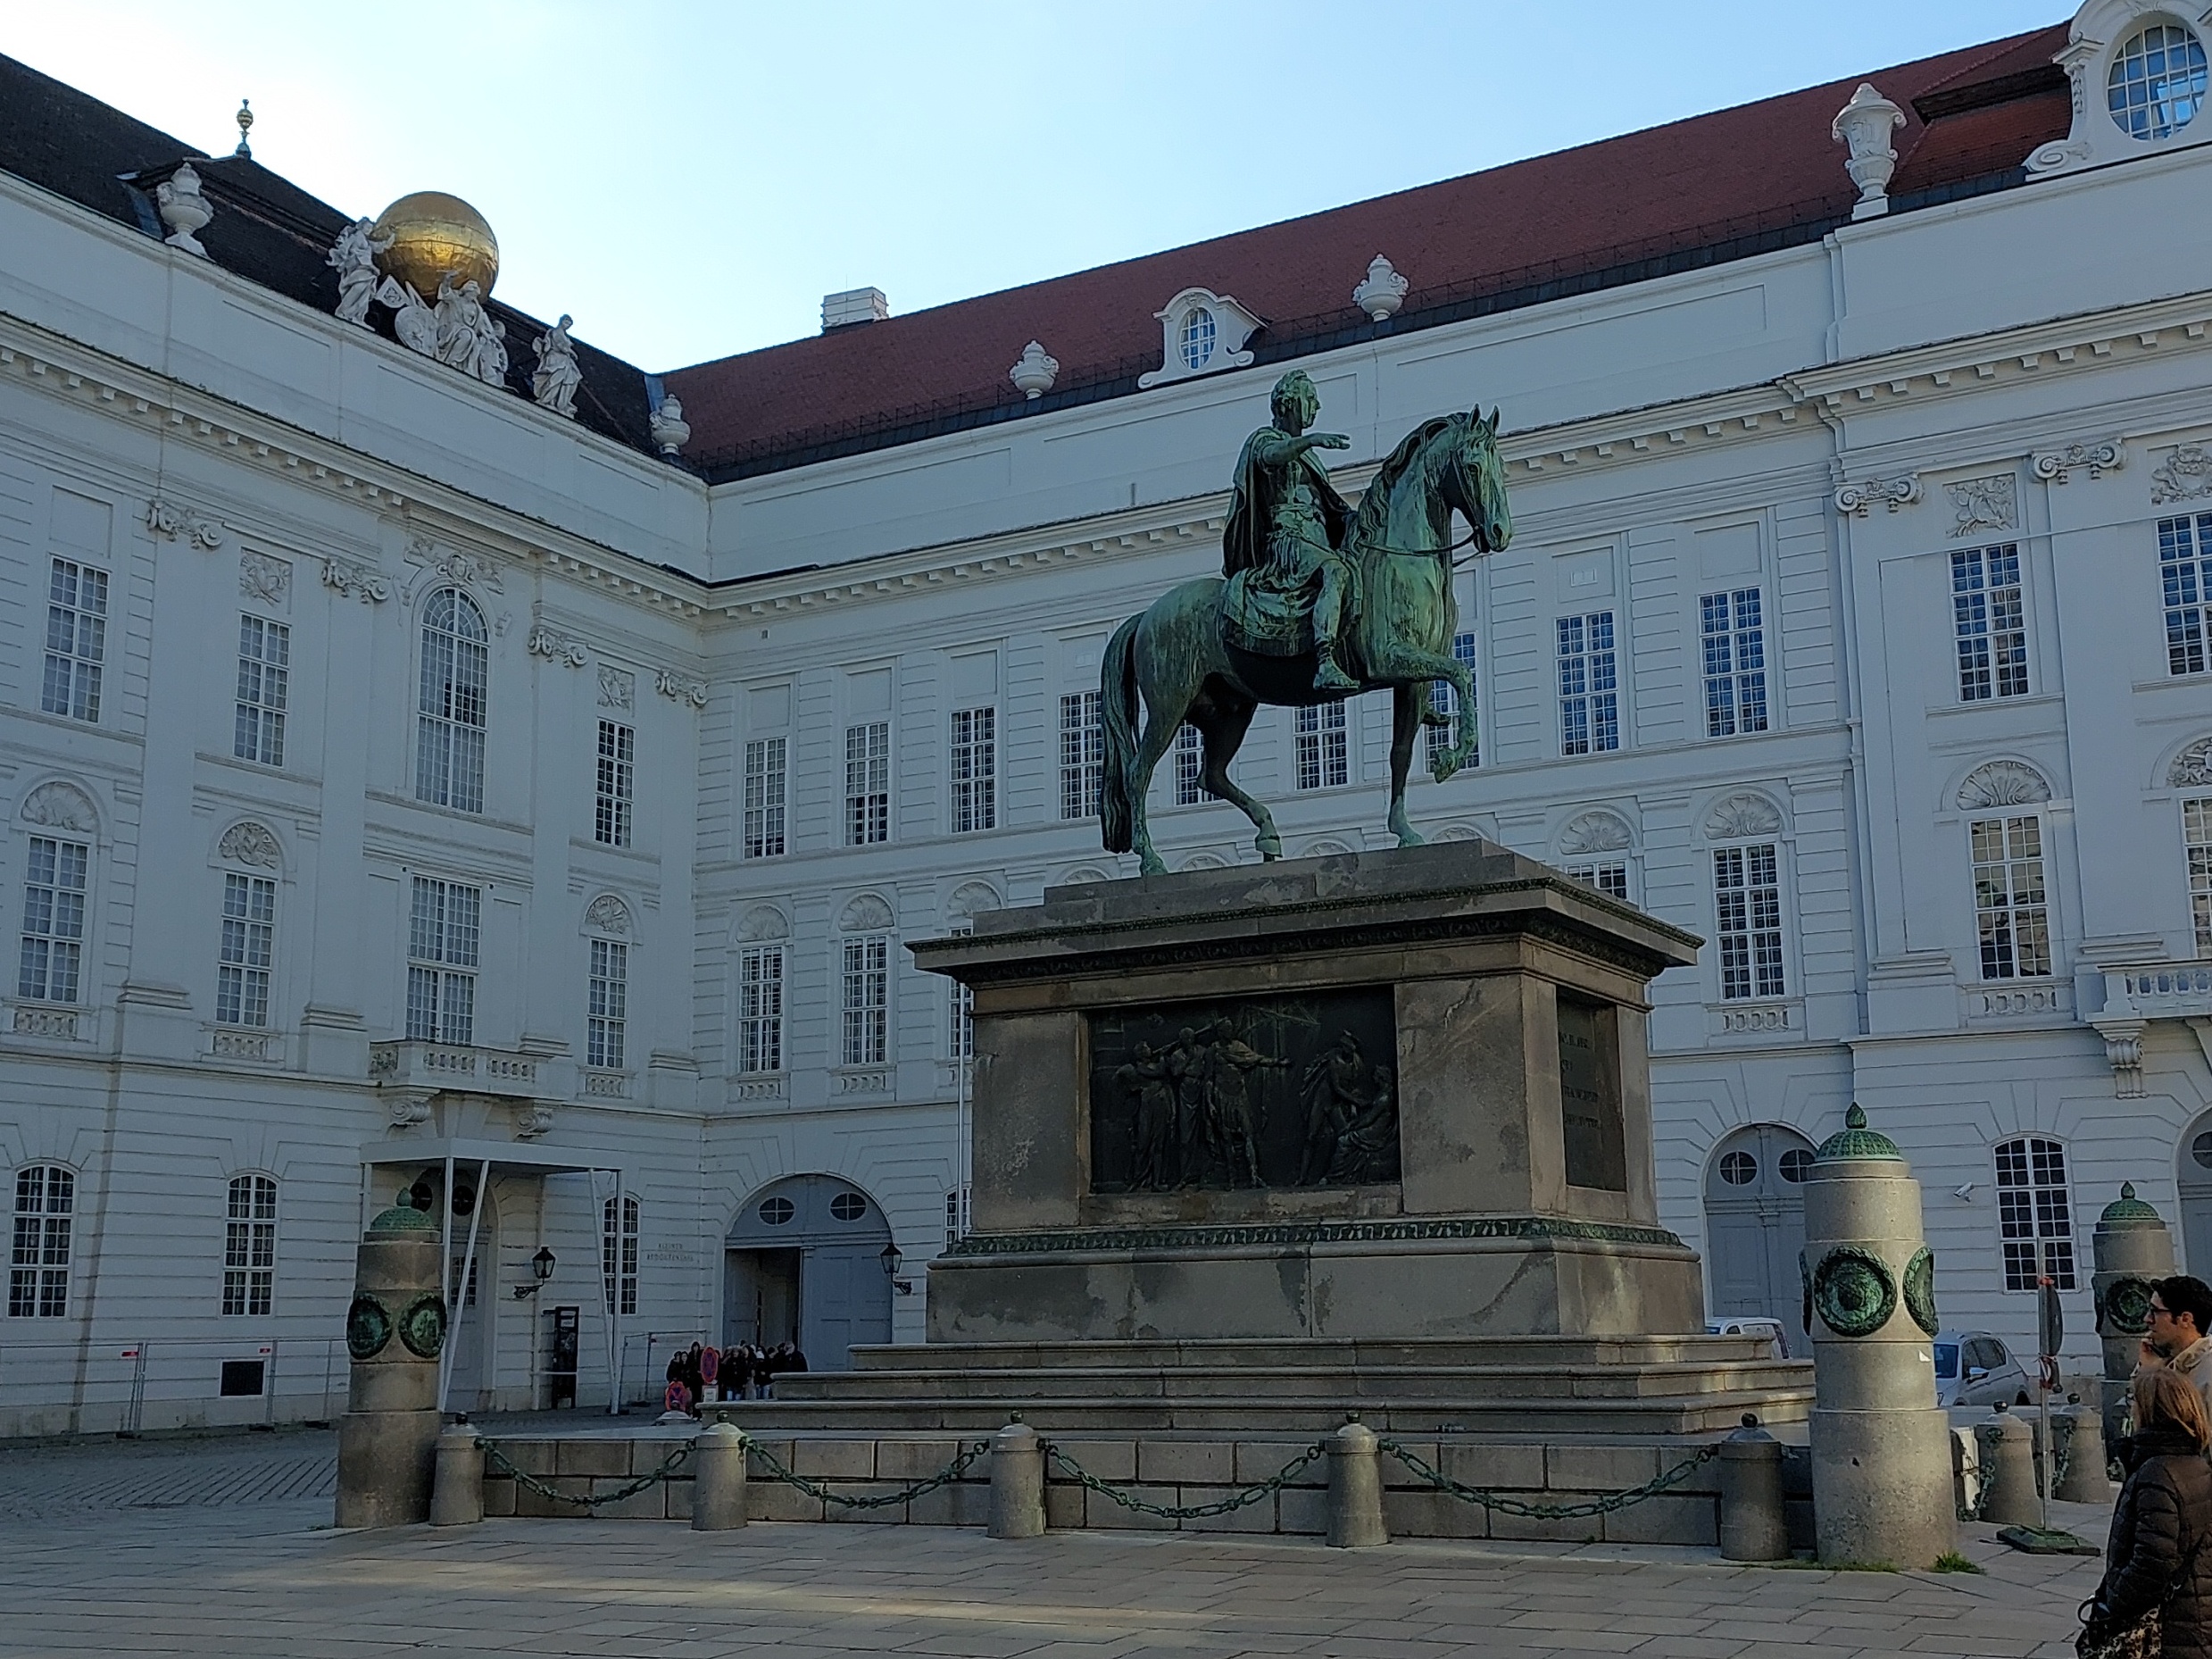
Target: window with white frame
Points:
(615, 790)
(1589, 685)
(609, 1000)
(1324, 749)
(1747, 911)
(2011, 913)
(54, 920)
(450, 706)
(1990, 621)
(1609, 875)
(1733, 634)
(959, 1009)
(1082, 754)
(250, 1247)
(1190, 765)
(765, 782)
(867, 1000)
(2034, 1214)
(264, 690)
(975, 769)
(1445, 701)
(618, 1254)
(442, 947)
(2156, 83)
(868, 783)
(46, 1198)
(247, 947)
(761, 1008)
(76, 640)
(2196, 841)
(2185, 577)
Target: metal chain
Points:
(1986, 1438)
(1249, 1494)
(500, 1462)
(952, 1472)
(1604, 1504)
(2062, 1450)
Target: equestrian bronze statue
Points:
(1317, 602)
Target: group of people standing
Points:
(743, 1371)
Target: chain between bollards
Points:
(1605, 1503)
(500, 1462)
(1240, 1500)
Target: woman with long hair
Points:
(2156, 1597)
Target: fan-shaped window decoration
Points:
(865, 914)
(776, 1212)
(2002, 783)
(1743, 818)
(847, 1206)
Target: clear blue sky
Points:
(690, 179)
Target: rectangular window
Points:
(248, 943)
(1445, 701)
(1609, 876)
(2010, 911)
(441, 944)
(1323, 755)
(1747, 906)
(1990, 622)
(1082, 754)
(76, 640)
(451, 703)
(2197, 838)
(264, 690)
(975, 769)
(761, 1008)
(609, 1004)
(250, 1247)
(53, 921)
(2034, 1216)
(45, 1196)
(617, 786)
(618, 1255)
(2185, 573)
(867, 1000)
(1735, 663)
(1589, 685)
(764, 798)
(1190, 765)
(868, 783)
(960, 1012)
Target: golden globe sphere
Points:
(433, 233)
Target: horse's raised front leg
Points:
(1223, 727)
(1408, 701)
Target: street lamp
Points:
(541, 1270)
(892, 1260)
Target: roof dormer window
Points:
(1201, 332)
(1198, 337)
(2155, 82)
(2138, 75)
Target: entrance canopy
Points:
(504, 1156)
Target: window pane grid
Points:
(1589, 685)
(54, 920)
(2196, 841)
(1082, 754)
(1445, 701)
(1324, 747)
(609, 1004)
(248, 944)
(250, 1247)
(765, 783)
(1990, 621)
(616, 789)
(76, 640)
(1733, 635)
(1609, 876)
(868, 783)
(46, 1196)
(1190, 765)
(1747, 906)
(618, 1254)
(761, 1009)
(443, 937)
(450, 704)
(2034, 1214)
(975, 769)
(264, 690)
(867, 1000)
(2012, 916)
(2185, 577)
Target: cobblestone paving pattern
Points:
(245, 1579)
(41, 1481)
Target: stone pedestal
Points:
(388, 1441)
(2133, 1250)
(1881, 1446)
(1384, 1095)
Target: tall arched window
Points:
(250, 1247)
(46, 1201)
(618, 1254)
(449, 718)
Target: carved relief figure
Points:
(1145, 1076)
(353, 256)
(1351, 1119)
(1236, 1129)
(554, 383)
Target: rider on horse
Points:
(1283, 549)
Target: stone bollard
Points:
(1355, 1488)
(1880, 1451)
(1017, 1483)
(2009, 1472)
(394, 1331)
(2133, 1250)
(457, 1491)
(1754, 1526)
(718, 1493)
(2084, 1480)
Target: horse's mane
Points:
(1367, 519)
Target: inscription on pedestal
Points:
(1288, 1091)
(1589, 1115)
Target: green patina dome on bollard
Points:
(402, 1220)
(1855, 1140)
(2128, 1209)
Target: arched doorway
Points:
(2194, 1167)
(804, 1265)
(1755, 1226)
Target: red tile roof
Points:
(1715, 186)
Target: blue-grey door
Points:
(1755, 1226)
(837, 1234)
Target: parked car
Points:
(1975, 1367)
(1732, 1326)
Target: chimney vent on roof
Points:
(853, 305)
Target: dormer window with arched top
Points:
(2140, 77)
(1200, 332)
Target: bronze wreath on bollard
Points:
(367, 1327)
(1853, 1291)
(2125, 1305)
(1920, 1290)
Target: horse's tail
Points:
(1116, 713)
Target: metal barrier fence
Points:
(135, 1385)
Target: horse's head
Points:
(1476, 481)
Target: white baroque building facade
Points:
(405, 782)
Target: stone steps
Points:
(1485, 1385)
(1548, 1353)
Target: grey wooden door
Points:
(2196, 1197)
(834, 1236)
(1755, 1226)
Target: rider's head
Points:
(1294, 403)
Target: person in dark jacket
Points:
(2157, 1564)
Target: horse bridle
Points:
(1445, 551)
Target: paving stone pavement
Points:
(244, 1579)
(183, 1472)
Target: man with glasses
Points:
(2181, 1316)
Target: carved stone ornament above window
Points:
(469, 569)
(2003, 783)
(1741, 817)
(267, 579)
(1201, 332)
(683, 688)
(618, 687)
(1984, 503)
(2192, 767)
(969, 899)
(168, 519)
(2137, 73)
(552, 644)
(763, 922)
(607, 913)
(252, 843)
(60, 806)
(363, 582)
(2100, 455)
(1902, 491)
(2184, 475)
(865, 914)
(1594, 832)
